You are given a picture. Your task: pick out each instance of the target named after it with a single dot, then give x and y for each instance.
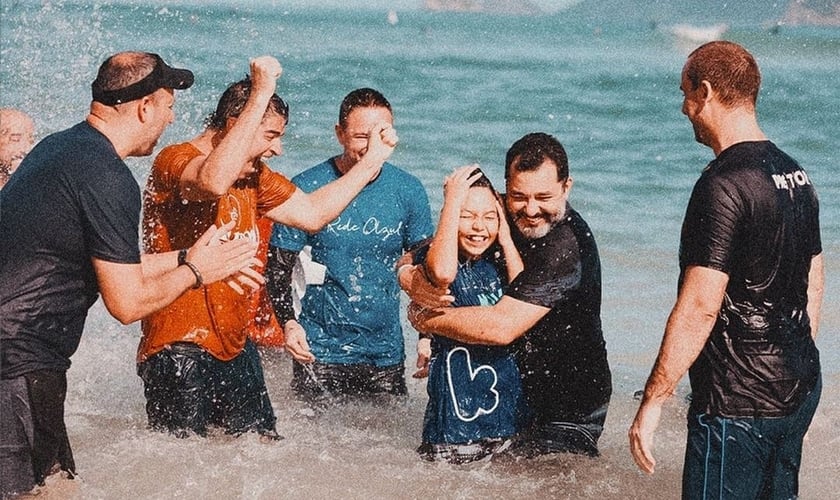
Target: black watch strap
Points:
(182, 256)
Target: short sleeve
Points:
(419, 225)
(553, 271)
(111, 207)
(711, 223)
(274, 189)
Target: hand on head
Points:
(457, 184)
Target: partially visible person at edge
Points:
(17, 135)
(750, 292)
(348, 339)
(70, 220)
(551, 310)
(198, 366)
(475, 395)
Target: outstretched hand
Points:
(217, 259)
(296, 343)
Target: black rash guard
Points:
(563, 358)
(72, 199)
(754, 215)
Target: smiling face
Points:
(536, 199)
(478, 225)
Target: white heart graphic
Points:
(472, 373)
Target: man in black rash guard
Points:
(70, 220)
(552, 310)
(748, 309)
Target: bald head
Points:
(17, 135)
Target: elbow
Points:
(124, 316)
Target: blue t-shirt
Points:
(474, 390)
(73, 198)
(353, 317)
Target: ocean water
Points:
(463, 88)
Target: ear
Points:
(567, 185)
(145, 108)
(339, 133)
(230, 122)
(705, 91)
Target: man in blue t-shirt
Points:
(70, 220)
(750, 292)
(348, 339)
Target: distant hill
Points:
(491, 6)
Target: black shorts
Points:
(314, 380)
(187, 390)
(33, 437)
(580, 436)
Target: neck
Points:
(113, 130)
(343, 164)
(737, 125)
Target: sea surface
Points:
(464, 87)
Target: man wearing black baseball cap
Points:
(70, 231)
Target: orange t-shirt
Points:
(214, 316)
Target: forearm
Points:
(134, 296)
(156, 265)
(816, 289)
(278, 274)
(330, 200)
(222, 167)
(688, 328)
(442, 258)
(471, 325)
(513, 260)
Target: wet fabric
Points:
(754, 215)
(187, 390)
(34, 442)
(72, 198)
(474, 391)
(316, 380)
(580, 436)
(214, 316)
(746, 457)
(353, 317)
(563, 358)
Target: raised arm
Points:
(213, 175)
(442, 257)
(312, 211)
(686, 332)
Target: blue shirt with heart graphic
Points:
(474, 390)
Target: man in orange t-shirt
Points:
(197, 364)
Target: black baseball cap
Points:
(162, 76)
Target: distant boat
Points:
(392, 17)
(698, 34)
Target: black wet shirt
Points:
(71, 199)
(754, 215)
(563, 358)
